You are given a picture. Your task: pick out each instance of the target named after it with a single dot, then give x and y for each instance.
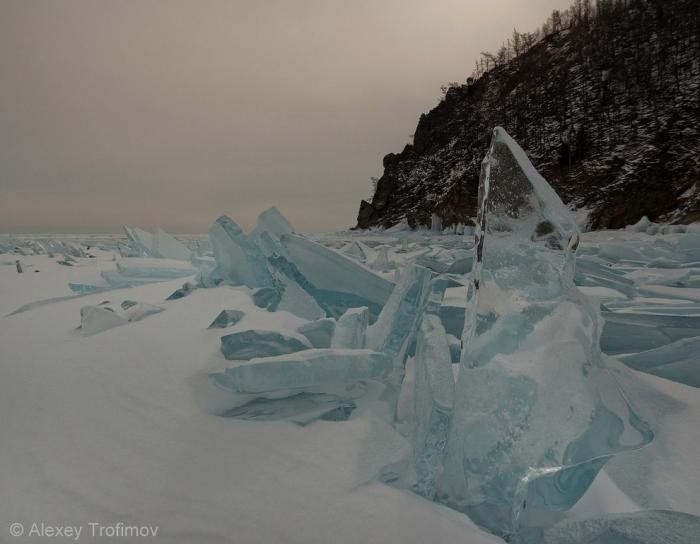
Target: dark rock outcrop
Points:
(607, 109)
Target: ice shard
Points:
(338, 282)
(118, 280)
(186, 289)
(381, 262)
(268, 245)
(536, 411)
(267, 297)
(136, 311)
(592, 272)
(160, 244)
(226, 318)
(309, 369)
(167, 246)
(678, 361)
(298, 302)
(94, 319)
(354, 250)
(141, 241)
(400, 317)
(433, 402)
(319, 332)
(302, 408)
(437, 260)
(238, 259)
(272, 222)
(87, 289)
(351, 328)
(630, 332)
(245, 345)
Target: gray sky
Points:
(171, 112)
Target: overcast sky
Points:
(170, 112)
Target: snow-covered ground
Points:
(118, 427)
(125, 426)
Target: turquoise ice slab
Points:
(678, 361)
(302, 370)
(245, 345)
(226, 318)
(239, 260)
(634, 332)
(536, 413)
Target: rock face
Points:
(608, 111)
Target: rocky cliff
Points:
(608, 109)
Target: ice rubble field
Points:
(274, 387)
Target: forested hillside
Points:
(605, 99)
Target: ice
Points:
(160, 244)
(168, 247)
(351, 328)
(95, 319)
(537, 413)
(302, 408)
(86, 289)
(620, 252)
(207, 276)
(311, 303)
(319, 332)
(452, 311)
(434, 400)
(339, 283)
(226, 318)
(136, 311)
(381, 261)
(238, 259)
(455, 347)
(399, 319)
(675, 277)
(287, 295)
(268, 245)
(647, 306)
(436, 223)
(298, 302)
(632, 332)
(462, 263)
(186, 289)
(311, 368)
(272, 222)
(354, 250)
(593, 272)
(437, 260)
(117, 280)
(401, 226)
(267, 297)
(640, 226)
(141, 241)
(690, 294)
(101, 317)
(647, 527)
(405, 404)
(678, 361)
(245, 345)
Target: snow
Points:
(115, 427)
(127, 424)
